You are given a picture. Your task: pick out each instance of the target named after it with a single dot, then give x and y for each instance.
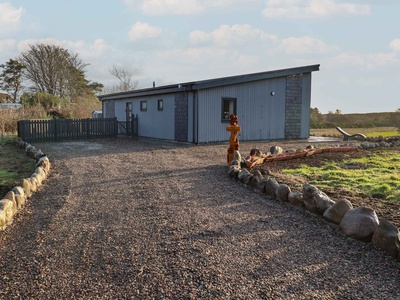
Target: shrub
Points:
(9, 117)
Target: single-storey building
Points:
(270, 105)
(10, 105)
(97, 114)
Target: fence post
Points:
(115, 126)
(55, 130)
(22, 132)
(87, 128)
(133, 125)
(137, 125)
(19, 126)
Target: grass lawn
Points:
(14, 166)
(376, 175)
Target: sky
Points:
(356, 43)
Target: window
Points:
(228, 108)
(160, 104)
(143, 105)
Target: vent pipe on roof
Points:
(154, 84)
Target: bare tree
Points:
(126, 83)
(54, 70)
(111, 90)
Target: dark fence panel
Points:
(66, 129)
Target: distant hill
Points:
(385, 119)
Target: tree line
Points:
(54, 79)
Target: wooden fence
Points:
(66, 129)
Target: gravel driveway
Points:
(144, 219)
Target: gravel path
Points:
(144, 219)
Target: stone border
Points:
(17, 197)
(360, 223)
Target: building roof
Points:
(210, 83)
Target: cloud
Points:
(219, 62)
(7, 49)
(69, 45)
(233, 35)
(186, 7)
(6, 45)
(141, 31)
(249, 44)
(166, 7)
(300, 9)
(395, 45)
(370, 61)
(86, 51)
(250, 40)
(9, 14)
(9, 17)
(305, 45)
(100, 45)
(91, 51)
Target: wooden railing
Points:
(55, 130)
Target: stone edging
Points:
(17, 197)
(360, 223)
